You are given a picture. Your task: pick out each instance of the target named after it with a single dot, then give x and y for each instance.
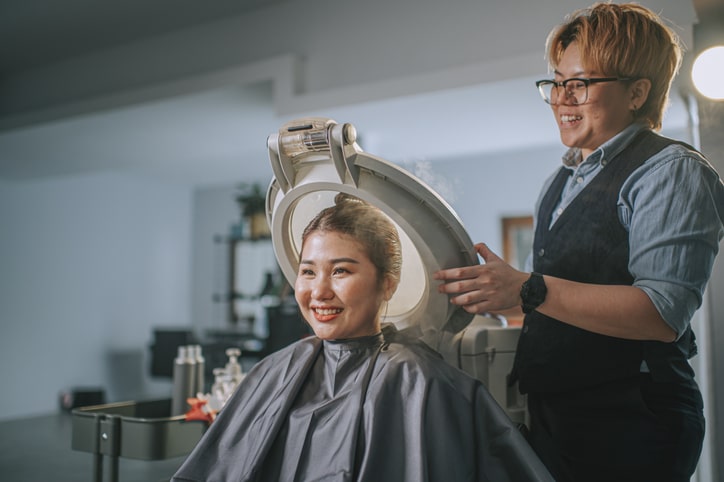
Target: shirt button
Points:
(604, 162)
(541, 252)
(559, 211)
(579, 179)
(525, 329)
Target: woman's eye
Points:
(306, 272)
(340, 270)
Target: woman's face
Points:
(607, 111)
(337, 288)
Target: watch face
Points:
(528, 291)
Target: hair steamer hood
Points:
(313, 159)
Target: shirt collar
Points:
(607, 150)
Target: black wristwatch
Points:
(533, 292)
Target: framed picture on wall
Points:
(517, 239)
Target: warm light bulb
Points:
(708, 73)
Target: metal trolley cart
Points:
(137, 430)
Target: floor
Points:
(39, 449)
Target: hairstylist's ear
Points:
(639, 90)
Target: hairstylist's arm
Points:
(613, 310)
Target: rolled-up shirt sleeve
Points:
(673, 207)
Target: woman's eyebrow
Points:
(344, 260)
(332, 261)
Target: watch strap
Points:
(533, 292)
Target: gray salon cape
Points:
(379, 408)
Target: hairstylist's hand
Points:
(485, 288)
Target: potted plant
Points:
(252, 202)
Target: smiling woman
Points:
(360, 400)
(333, 288)
(348, 269)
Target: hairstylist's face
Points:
(606, 113)
(336, 287)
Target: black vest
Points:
(588, 244)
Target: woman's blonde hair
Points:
(367, 225)
(623, 40)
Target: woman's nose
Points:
(322, 289)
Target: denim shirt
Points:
(673, 209)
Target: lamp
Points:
(707, 73)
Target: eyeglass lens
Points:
(574, 90)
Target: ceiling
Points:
(200, 139)
(49, 30)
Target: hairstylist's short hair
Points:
(623, 40)
(367, 225)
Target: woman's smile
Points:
(326, 314)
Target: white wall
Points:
(215, 211)
(88, 264)
(488, 187)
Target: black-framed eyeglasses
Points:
(575, 89)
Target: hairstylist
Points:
(626, 233)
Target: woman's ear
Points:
(639, 90)
(389, 286)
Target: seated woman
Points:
(358, 401)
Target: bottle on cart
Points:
(233, 368)
(184, 379)
(199, 380)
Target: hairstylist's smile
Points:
(565, 118)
